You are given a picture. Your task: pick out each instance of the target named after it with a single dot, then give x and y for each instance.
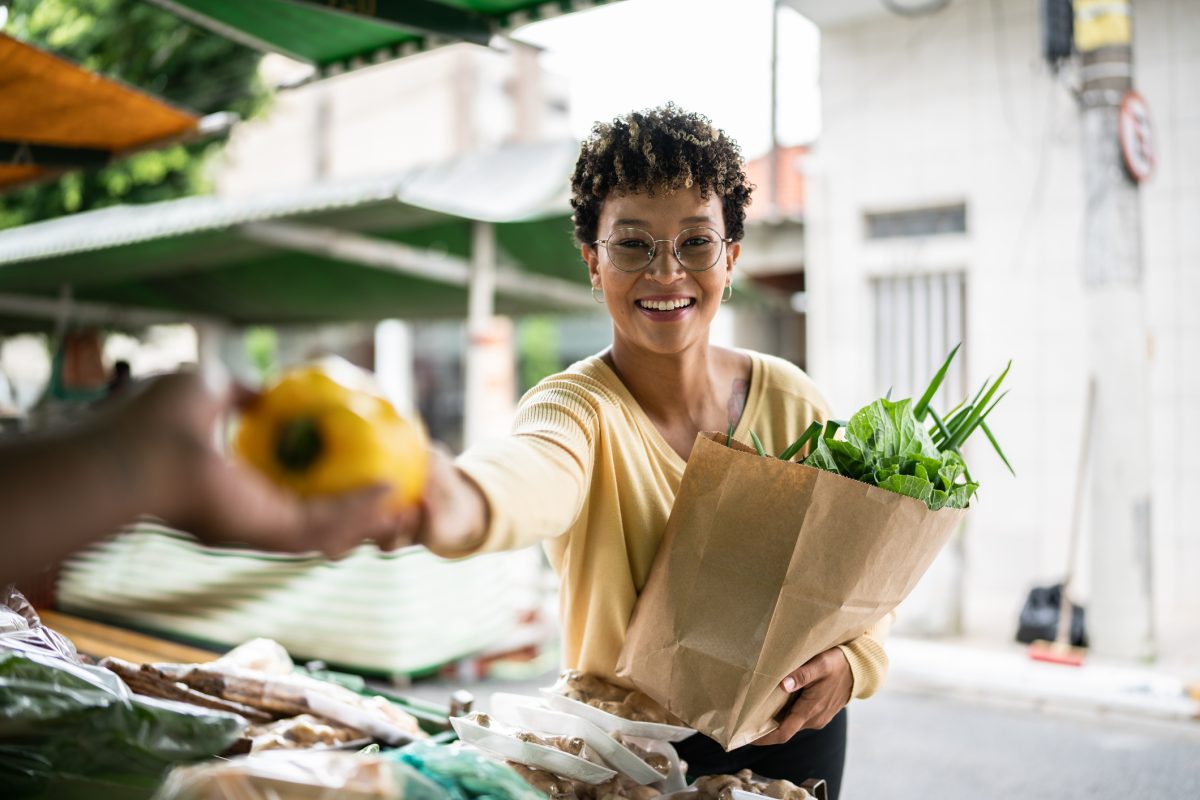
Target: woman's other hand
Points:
(822, 686)
(451, 518)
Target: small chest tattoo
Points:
(737, 399)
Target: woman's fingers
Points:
(823, 685)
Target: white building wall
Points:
(1167, 63)
(960, 107)
(422, 109)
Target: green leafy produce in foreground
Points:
(889, 444)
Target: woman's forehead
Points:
(667, 208)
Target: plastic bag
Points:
(58, 716)
(22, 631)
(1039, 617)
(300, 776)
(465, 774)
(81, 719)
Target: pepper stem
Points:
(299, 444)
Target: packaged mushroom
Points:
(567, 756)
(644, 761)
(556, 787)
(745, 785)
(614, 708)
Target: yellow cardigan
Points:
(586, 473)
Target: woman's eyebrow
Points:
(630, 221)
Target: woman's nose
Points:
(664, 267)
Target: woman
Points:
(597, 452)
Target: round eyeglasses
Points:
(633, 249)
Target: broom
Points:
(1060, 651)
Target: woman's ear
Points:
(732, 253)
(591, 257)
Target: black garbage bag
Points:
(1039, 617)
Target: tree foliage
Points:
(150, 49)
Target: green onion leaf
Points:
(941, 426)
(988, 432)
(758, 445)
(964, 430)
(923, 404)
(809, 434)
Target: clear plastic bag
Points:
(300, 776)
(22, 631)
(59, 716)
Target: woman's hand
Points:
(451, 518)
(822, 687)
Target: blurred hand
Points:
(822, 686)
(169, 428)
(452, 516)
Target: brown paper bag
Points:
(765, 564)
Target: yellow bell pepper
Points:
(325, 428)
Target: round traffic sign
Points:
(1137, 137)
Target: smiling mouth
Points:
(665, 305)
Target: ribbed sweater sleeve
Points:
(868, 660)
(536, 480)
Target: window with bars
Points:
(935, 221)
(918, 319)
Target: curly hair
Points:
(658, 149)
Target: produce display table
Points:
(98, 640)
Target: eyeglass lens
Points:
(632, 249)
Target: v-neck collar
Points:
(613, 381)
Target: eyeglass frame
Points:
(653, 253)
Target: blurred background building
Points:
(947, 203)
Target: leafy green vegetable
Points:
(888, 443)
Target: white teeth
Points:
(664, 305)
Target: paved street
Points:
(919, 746)
(906, 746)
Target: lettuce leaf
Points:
(887, 446)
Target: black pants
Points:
(808, 754)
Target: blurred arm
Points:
(533, 483)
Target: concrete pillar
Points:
(1120, 606)
(490, 367)
(394, 363)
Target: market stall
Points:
(82, 724)
(338, 36)
(56, 116)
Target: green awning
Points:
(382, 247)
(345, 34)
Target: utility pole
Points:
(773, 167)
(1120, 615)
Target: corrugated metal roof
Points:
(512, 184)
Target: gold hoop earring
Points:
(597, 294)
(727, 293)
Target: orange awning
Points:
(55, 116)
